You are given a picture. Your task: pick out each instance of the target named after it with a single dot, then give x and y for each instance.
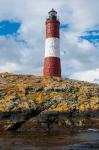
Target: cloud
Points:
(90, 75)
(9, 67)
(26, 49)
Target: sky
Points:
(22, 37)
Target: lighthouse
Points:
(52, 64)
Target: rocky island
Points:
(33, 103)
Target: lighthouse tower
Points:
(52, 65)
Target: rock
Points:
(24, 98)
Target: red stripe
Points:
(52, 28)
(52, 67)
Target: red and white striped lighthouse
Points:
(52, 64)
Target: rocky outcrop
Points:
(46, 100)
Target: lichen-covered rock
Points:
(24, 92)
(20, 93)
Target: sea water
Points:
(72, 140)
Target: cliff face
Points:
(26, 93)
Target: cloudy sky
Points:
(22, 36)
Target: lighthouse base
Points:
(52, 67)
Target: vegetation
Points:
(25, 92)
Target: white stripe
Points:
(52, 47)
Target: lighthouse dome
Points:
(52, 14)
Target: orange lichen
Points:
(60, 107)
(40, 97)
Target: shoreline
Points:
(31, 121)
